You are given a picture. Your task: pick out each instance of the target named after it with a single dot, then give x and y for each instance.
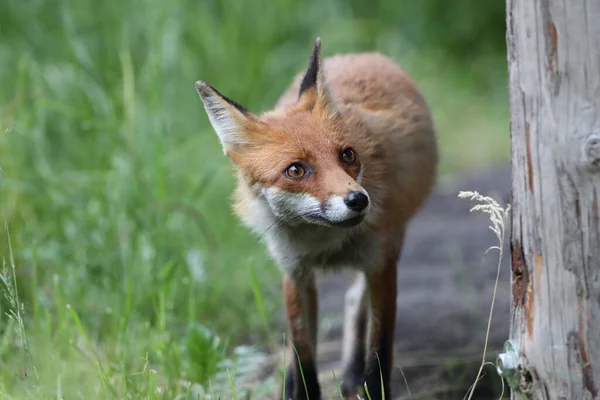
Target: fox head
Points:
(299, 162)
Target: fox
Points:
(329, 179)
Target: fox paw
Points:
(352, 387)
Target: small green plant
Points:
(16, 311)
(204, 352)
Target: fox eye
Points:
(348, 155)
(295, 172)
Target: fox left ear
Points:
(229, 119)
(315, 92)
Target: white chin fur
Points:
(295, 208)
(336, 210)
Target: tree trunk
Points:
(554, 73)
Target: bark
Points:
(554, 76)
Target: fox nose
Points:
(356, 201)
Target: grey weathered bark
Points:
(554, 73)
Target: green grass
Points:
(132, 271)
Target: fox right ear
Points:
(314, 89)
(313, 72)
(229, 119)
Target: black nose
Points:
(357, 201)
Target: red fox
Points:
(329, 178)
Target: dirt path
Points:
(445, 290)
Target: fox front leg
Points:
(301, 381)
(355, 332)
(382, 288)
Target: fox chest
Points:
(301, 258)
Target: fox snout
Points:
(346, 210)
(356, 201)
(335, 210)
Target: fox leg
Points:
(355, 331)
(382, 288)
(301, 381)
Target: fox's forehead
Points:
(296, 146)
(304, 132)
(279, 142)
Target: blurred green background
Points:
(134, 277)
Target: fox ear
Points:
(229, 119)
(315, 92)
